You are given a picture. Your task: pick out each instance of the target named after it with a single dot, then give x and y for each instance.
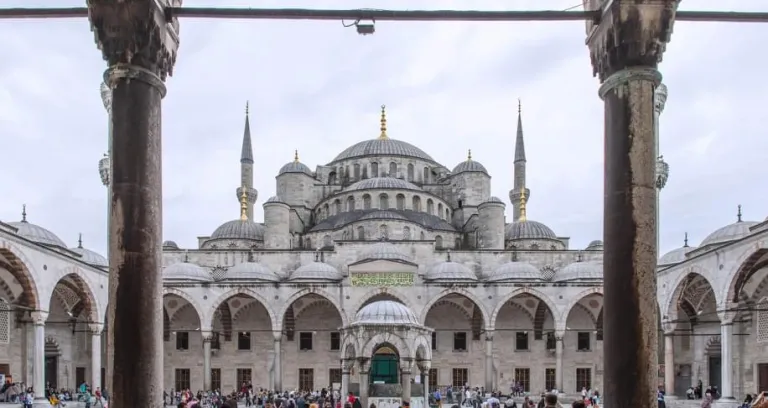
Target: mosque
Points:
(384, 271)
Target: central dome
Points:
(383, 147)
(386, 312)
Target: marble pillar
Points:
(489, 375)
(726, 355)
(139, 45)
(38, 357)
(405, 380)
(96, 329)
(669, 364)
(207, 339)
(424, 366)
(364, 365)
(626, 46)
(559, 362)
(346, 367)
(278, 381)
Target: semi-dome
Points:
(529, 229)
(170, 245)
(315, 271)
(186, 271)
(591, 270)
(251, 271)
(732, 232)
(468, 166)
(451, 271)
(90, 257)
(37, 234)
(382, 183)
(383, 215)
(239, 229)
(386, 312)
(384, 251)
(382, 147)
(515, 271)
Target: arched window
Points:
(5, 322)
(447, 215)
(410, 172)
(400, 202)
(457, 243)
(365, 173)
(374, 169)
(366, 202)
(357, 171)
(438, 242)
(762, 320)
(327, 241)
(383, 201)
(430, 207)
(383, 232)
(392, 169)
(406, 233)
(440, 210)
(332, 177)
(422, 236)
(416, 203)
(337, 207)
(326, 211)
(308, 243)
(361, 233)
(426, 175)
(350, 203)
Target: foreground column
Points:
(38, 357)
(140, 49)
(726, 354)
(559, 362)
(207, 338)
(96, 329)
(625, 49)
(489, 361)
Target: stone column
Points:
(38, 357)
(405, 378)
(489, 361)
(625, 48)
(364, 365)
(726, 355)
(278, 361)
(207, 338)
(96, 329)
(425, 366)
(140, 49)
(559, 362)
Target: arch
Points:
(240, 291)
(383, 201)
(523, 291)
(337, 207)
(460, 292)
(680, 286)
(392, 169)
(374, 169)
(184, 295)
(384, 293)
(416, 203)
(385, 338)
(597, 290)
(83, 288)
(747, 266)
(366, 201)
(351, 203)
(23, 270)
(309, 291)
(400, 201)
(410, 172)
(52, 347)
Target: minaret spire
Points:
(519, 142)
(246, 168)
(516, 194)
(246, 155)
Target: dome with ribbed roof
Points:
(515, 271)
(469, 166)
(170, 245)
(674, 256)
(295, 167)
(382, 147)
(386, 312)
(251, 271)
(591, 270)
(36, 233)
(383, 215)
(596, 245)
(384, 251)
(494, 200)
(528, 229)
(382, 183)
(450, 271)
(239, 229)
(316, 271)
(186, 271)
(274, 199)
(92, 258)
(732, 232)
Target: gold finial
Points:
(519, 106)
(244, 205)
(523, 201)
(296, 156)
(383, 134)
(247, 107)
(738, 214)
(469, 155)
(23, 213)
(80, 240)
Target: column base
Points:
(41, 403)
(726, 403)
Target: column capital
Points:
(39, 317)
(629, 34)
(135, 32)
(489, 335)
(277, 335)
(406, 363)
(668, 327)
(106, 97)
(207, 336)
(96, 328)
(660, 98)
(347, 364)
(364, 363)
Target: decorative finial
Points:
(186, 256)
(738, 214)
(80, 240)
(295, 156)
(685, 241)
(519, 106)
(243, 205)
(383, 134)
(449, 255)
(23, 213)
(469, 155)
(523, 201)
(247, 107)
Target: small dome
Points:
(515, 271)
(91, 257)
(386, 312)
(494, 200)
(186, 271)
(295, 167)
(468, 166)
(274, 199)
(382, 147)
(170, 245)
(239, 229)
(529, 230)
(451, 271)
(580, 271)
(316, 271)
(388, 183)
(729, 233)
(383, 215)
(36, 233)
(251, 271)
(384, 251)
(595, 245)
(674, 256)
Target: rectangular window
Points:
(306, 379)
(243, 377)
(551, 341)
(521, 341)
(215, 379)
(79, 375)
(583, 343)
(181, 380)
(583, 378)
(243, 341)
(305, 343)
(523, 377)
(460, 377)
(334, 376)
(182, 340)
(460, 341)
(432, 379)
(335, 341)
(434, 340)
(549, 379)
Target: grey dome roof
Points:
(186, 271)
(591, 270)
(469, 166)
(38, 234)
(274, 199)
(316, 271)
(528, 229)
(295, 167)
(90, 257)
(386, 312)
(729, 233)
(515, 271)
(595, 245)
(383, 147)
(494, 200)
(239, 229)
(170, 245)
(674, 256)
(342, 219)
(251, 271)
(389, 183)
(452, 271)
(384, 251)
(383, 215)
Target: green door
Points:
(384, 368)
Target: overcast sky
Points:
(317, 87)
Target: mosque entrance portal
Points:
(385, 366)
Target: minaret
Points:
(515, 193)
(246, 168)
